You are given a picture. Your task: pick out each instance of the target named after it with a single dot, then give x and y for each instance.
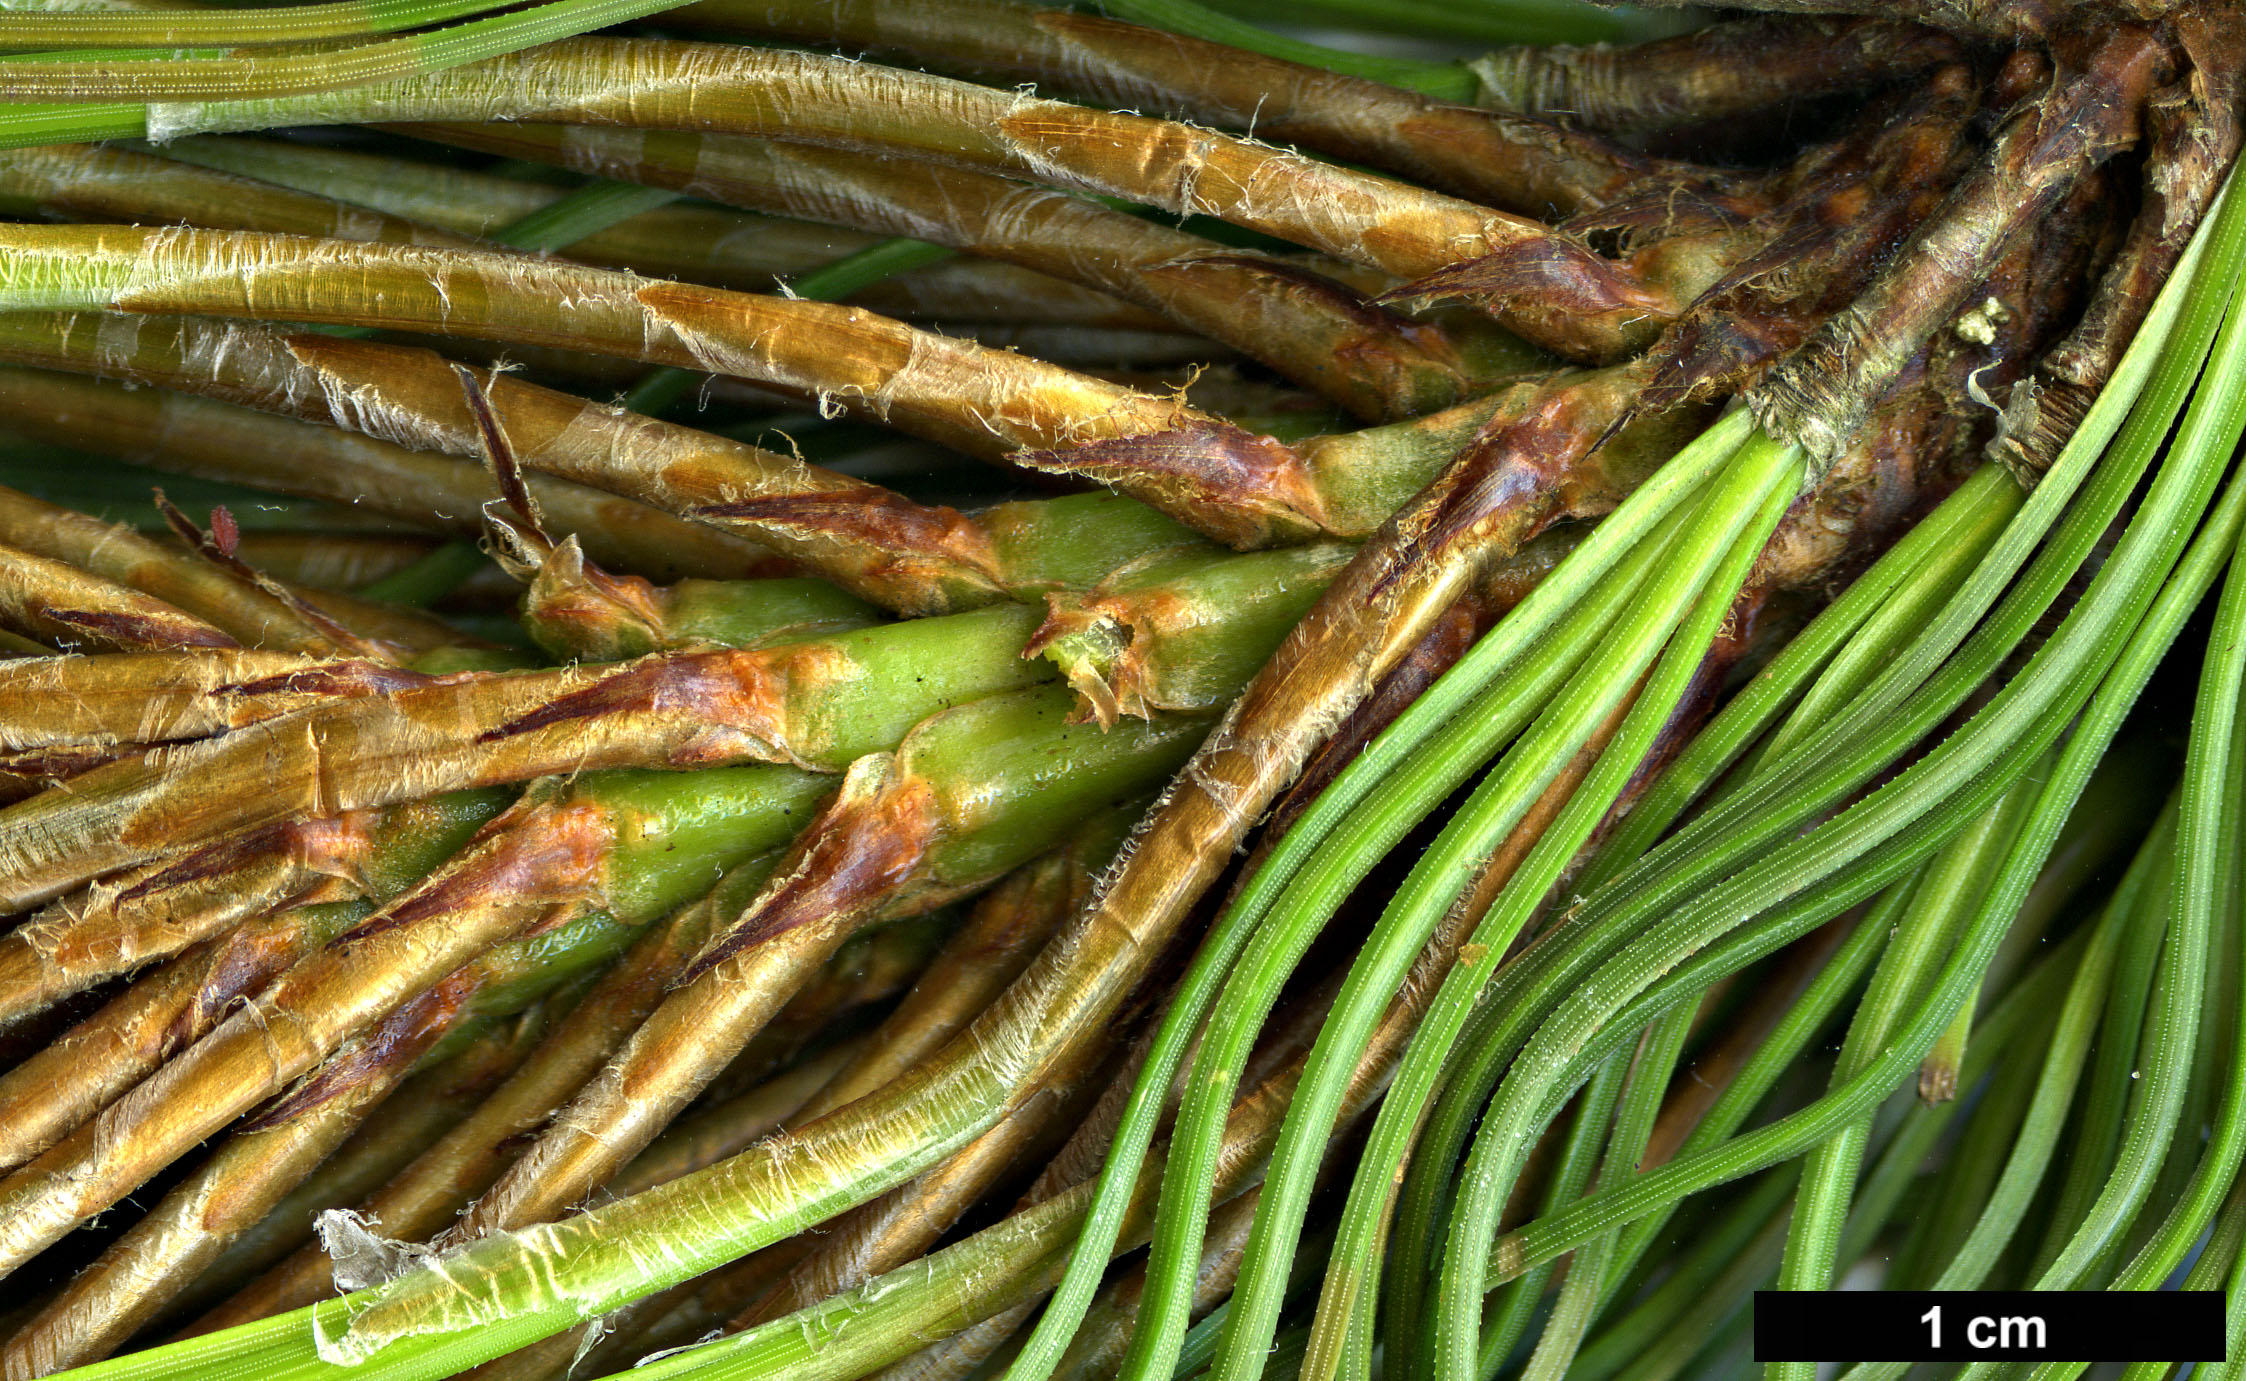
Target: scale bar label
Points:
(1988, 1326)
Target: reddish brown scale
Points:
(1553, 282)
(218, 548)
(891, 1230)
(878, 356)
(839, 509)
(916, 541)
(121, 923)
(103, 628)
(1299, 328)
(1924, 437)
(1520, 163)
(239, 965)
(735, 690)
(552, 855)
(40, 768)
(2023, 73)
(841, 873)
(1379, 327)
(84, 707)
(1561, 458)
(2195, 136)
(80, 1072)
(393, 1046)
(1470, 518)
(339, 680)
(535, 857)
(326, 846)
(413, 393)
(499, 455)
(1454, 142)
(1835, 233)
(573, 607)
(82, 584)
(860, 848)
(1257, 488)
(430, 1192)
(1140, 616)
(1822, 394)
(475, 729)
(1654, 213)
(1452, 634)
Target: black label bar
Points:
(1988, 1325)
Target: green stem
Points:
(1447, 81)
(583, 212)
(430, 577)
(1490, 21)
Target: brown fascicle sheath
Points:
(78, 610)
(1721, 72)
(1309, 329)
(984, 402)
(812, 905)
(1566, 298)
(1531, 166)
(185, 435)
(1823, 393)
(399, 952)
(246, 615)
(678, 710)
(101, 182)
(116, 924)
